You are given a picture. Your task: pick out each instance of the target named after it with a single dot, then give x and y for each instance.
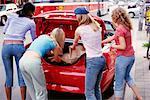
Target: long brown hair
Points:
(84, 19)
(120, 16)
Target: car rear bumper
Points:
(62, 88)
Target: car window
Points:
(110, 30)
(109, 27)
(2, 7)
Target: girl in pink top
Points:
(125, 53)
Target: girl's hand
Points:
(108, 44)
(72, 47)
(50, 53)
(56, 59)
(103, 42)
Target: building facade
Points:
(7, 1)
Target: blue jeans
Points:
(94, 69)
(8, 52)
(122, 74)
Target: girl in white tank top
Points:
(90, 34)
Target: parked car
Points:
(134, 7)
(63, 77)
(5, 10)
(134, 11)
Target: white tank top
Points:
(91, 40)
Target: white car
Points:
(5, 10)
(134, 12)
(136, 8)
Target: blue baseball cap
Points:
(81, 10)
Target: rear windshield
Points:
(2, 7)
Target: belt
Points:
(13, 42)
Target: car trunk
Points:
(59, 74)
(45, 26)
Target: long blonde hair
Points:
(59, 35)
(87, 19)
(120, 16)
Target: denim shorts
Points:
(8, 52)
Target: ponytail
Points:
(97, 25)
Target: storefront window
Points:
(7, 1)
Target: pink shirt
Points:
(122, 31)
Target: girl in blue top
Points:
(13, 46)
(30, 63)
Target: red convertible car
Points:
(63, 77)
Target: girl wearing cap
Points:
(30, 63)
(125, 53)
(90, 34)
(13, 46)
